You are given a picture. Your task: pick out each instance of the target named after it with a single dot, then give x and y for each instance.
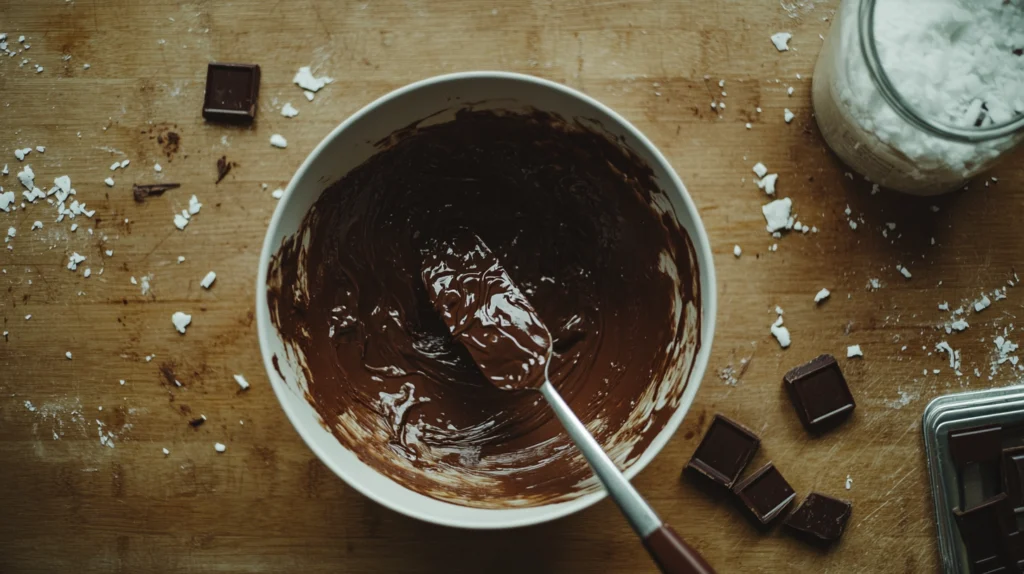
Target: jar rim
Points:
(869, 51)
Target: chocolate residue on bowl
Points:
(580, 224)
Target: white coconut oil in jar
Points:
(921, 95)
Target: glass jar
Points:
(873, 128)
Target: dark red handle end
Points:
(674, 556)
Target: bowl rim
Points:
(709, 308)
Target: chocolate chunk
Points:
(765, 493)
(141, 192)
(820, 393)
(231, 92)
(986, 530)
(976, 445)
(820, 518)
(976, 453)
(196, 423)
(1013, 477)
(724, 452)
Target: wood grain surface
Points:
(70, 504)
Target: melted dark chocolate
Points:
(571, 216)
(486, 311)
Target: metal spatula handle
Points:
(670, 552)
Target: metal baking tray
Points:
(1002, 406)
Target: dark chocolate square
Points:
(985, 531)
(231, 92)
(980, 445)
(1013, 477)
(820, 393)
(724, 451)
(765, 493)
(820, 518)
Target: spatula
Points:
(486, 312)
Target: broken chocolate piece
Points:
(1013, 477)
(985, 531)
(141, 192)
(196, 423)
(820, 518)
(231, 92)
(724, 451)
(765, 493)
(820, 394)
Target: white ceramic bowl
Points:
(348, 146)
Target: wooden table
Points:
(70, 504)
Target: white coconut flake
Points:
(781, 333)
(242, 382)
(68, 355)
(781, 41)
(278, 141)
(954, 356)
(166, 452)
(305, 79)
(787, 115)
(904, 271)
(194, 206)
(959, 325)
(277, 193)
(27, 177)
(777, 214)
(208, 280)
(181, 220)
(109, 181)
(74, 259)
(768, 183)
(760, 169)
(289, 111)
(157, 168)
(737, 251)
(181, 321)
(854, 351)
(822, 295)
(219, 447)
(849, 482)
(982, 304)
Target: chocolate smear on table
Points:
(577, 220)
(224, 168)
(143, 192)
